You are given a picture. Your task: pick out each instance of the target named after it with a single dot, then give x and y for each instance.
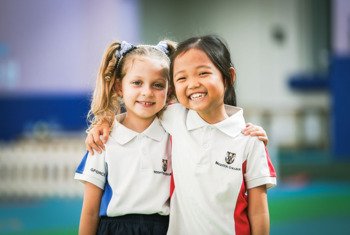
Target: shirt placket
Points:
(207, 143)
(145, 161)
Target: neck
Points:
(212, 117)
(138, 125)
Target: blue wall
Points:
(340, 110)
(63, 112)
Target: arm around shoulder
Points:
(255, 130)
(97, 137)
(172, 116)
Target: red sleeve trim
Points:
(172, 183)
(240, 216)
(271, 168)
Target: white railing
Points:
(302, 127)
(32, 168)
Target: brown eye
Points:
(136, 83)
(180, 79)
(203, 74)
(159, 86)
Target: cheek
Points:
(217, 85)
(178, 90)
(162, 95)
(125, 92)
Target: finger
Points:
(91, 143)
(259, 128)
(246, 132)
(105, 134)
(257, 133)
(96, 147)
(90, 150)
(249, 130)
(255, 128)
(249, 124)
(97, 140)
(87, 145)
(264, 139)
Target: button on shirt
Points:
(134, 171)
(213, 166)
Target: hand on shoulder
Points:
(97, 137)
(258, 131)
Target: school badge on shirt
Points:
(230, 157)
(164, 168)
(164, 164)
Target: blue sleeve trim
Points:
(81, 167)
(106, 198)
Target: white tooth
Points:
(197, 95)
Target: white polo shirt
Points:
(134, 171)
(213, 166)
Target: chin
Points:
(198, 108)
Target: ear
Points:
(171, 98)
(170, 91)
(233, 75)
(118, 88)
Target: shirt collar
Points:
(123, 135)
(232, 126)
(155, 131)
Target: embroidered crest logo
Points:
(164, 164)
(230, 157)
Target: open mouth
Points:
(197, 96)
(145, 103)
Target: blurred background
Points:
(293, 64)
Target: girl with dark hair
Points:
(221, 180)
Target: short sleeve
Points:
(92, 169)
(172, 116)
(259, 169)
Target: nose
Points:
(146, 91)
(193, 83)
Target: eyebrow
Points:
(156, 79)
(203, 66)
(198, 67)
(161, 79)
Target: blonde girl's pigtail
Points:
(166, 46)
(171, 48)
(104, 104)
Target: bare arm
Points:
(258, 211)
(258, 131)
(97, 137)
(89, 218)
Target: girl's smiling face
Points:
(199, 85)
(144, 88)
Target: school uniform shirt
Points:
(213, 166)
(134, 171)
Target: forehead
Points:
(145, 65)
(138, 61)
(192, 57)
